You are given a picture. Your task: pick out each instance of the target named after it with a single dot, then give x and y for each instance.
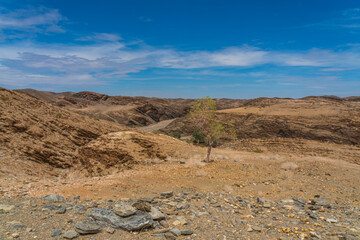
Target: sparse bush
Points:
(175, 135)
(198, 136)
(96, 119)
(289, 166)
(258, 151)
(58, 115)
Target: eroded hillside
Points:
(130, 111)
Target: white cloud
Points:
(101, 37)
(98, 62)
(31, 20)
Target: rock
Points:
(19, 226)
(331, 220)
(110, 230)
(86, 227)
(170, 236)
(56, 233)
(156, 214)
(50, 207)
(29, 229)
(61, 210)
(264, 202)
(180, 221)
(148, 200)
(175, 231)
(138, 221)
(167, 194)
(124, 210)
(142, 206)
(53, 198)
(15, 235)
(256, 228)
(164, 223)
(77, 197)
(187, 232)
(289, 166)
(6, 208)
(80, 209)
(70, 234)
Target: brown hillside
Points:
(315, 118)
(33, 130)
(130, 111)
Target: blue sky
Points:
(181, 48)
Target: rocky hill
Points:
(316, 118)
(130, 111)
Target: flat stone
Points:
(142, 206)
(167, 194)
(86, 227)
(56, 233)
(331, 220)
(51, 207)
(110, 230)
(70, 234)
(175, 231)
(124, 210)
(156, 214)
(6, 208)
(138, 221)
(53, 198)
(15, 235)
(187, 232)
(170, 236)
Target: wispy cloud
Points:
(34, 19)
(101, 37)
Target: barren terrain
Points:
(293, 173)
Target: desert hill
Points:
(328, 119)
(37, 136)
(130, 111)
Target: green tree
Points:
(202, 113)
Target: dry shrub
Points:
(289, 166)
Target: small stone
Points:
(77, 197)
(86, 227)
(110, 230)
(56, 233)
(180, 221)
(170, 236)
(61, 210)
(70, 234)
(167, 194)
(124, 210)
(6, 208)
(187, 232)
(256, 228)
(53, 198)
(15, 235)
(182, 162)
(156, 214)
(331, 220)
(164, 223)
(142, 206)
(29, 229)
(175, 231)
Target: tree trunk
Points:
(208, 151)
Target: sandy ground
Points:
(242, 173)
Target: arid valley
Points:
(91, 166)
